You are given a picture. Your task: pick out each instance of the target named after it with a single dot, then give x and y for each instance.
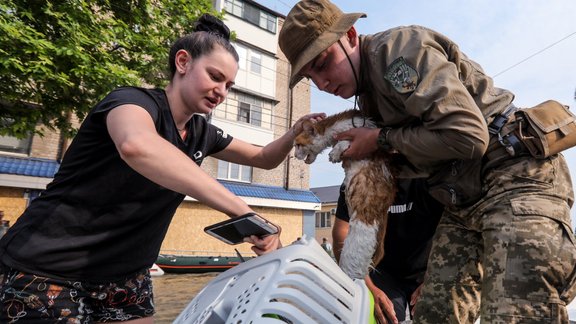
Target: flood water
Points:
(172, 292)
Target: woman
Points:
(81, 251)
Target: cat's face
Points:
(317, 136)
(305, 147)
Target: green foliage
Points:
(59, 57)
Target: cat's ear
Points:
(308, 128)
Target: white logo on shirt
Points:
(198, 155)
(222, 133)
(399, 209)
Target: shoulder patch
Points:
(402, 76)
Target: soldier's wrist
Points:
(382, 139)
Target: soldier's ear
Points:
(352, 36)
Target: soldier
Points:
(505, 241)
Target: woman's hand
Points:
(266, 244)
(298, 126)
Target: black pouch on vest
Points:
(458, 184)
(546, 129)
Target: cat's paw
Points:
(335, 156)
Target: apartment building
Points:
(259, 109)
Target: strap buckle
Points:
(509, 141)
(501, 119)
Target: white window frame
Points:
(255, 62)
(250, 110)
(323, 219)
(252, 14)
(15, 145)
(234, 172)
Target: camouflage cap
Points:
(310, 28)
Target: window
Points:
(323, 219)
(15, 145)
(234, 7)
(244, 112)
(255, 62)
(267, 21)
(242, 54)
(246, 108)
(233, 171)
(249, 110)
(251, 14)
(249, 59)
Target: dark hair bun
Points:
(211, 24)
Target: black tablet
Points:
(234, 230)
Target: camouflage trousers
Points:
(511, 257)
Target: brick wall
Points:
(298, 101)
(52, 145)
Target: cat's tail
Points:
(358, 249)
(380, 235)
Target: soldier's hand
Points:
(414, 298)
(383, 306)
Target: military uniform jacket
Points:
(437, 101)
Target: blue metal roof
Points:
(35, 167)
(270, 192)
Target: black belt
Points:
(508, 139)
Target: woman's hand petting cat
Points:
(298, 126)
(266, 244)
(362, 142)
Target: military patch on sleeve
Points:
(402, 76)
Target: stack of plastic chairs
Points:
(299, 283)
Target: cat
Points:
(370, 189)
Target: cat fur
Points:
(370, 189)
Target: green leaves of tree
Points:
(60, 57)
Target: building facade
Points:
(325, 217)
(259, 108)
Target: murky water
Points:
(172, 292)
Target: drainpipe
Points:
(289, 122)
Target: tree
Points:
(59, 57)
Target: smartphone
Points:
(234, 230)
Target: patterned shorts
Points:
(27, 298)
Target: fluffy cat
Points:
(370, 189)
